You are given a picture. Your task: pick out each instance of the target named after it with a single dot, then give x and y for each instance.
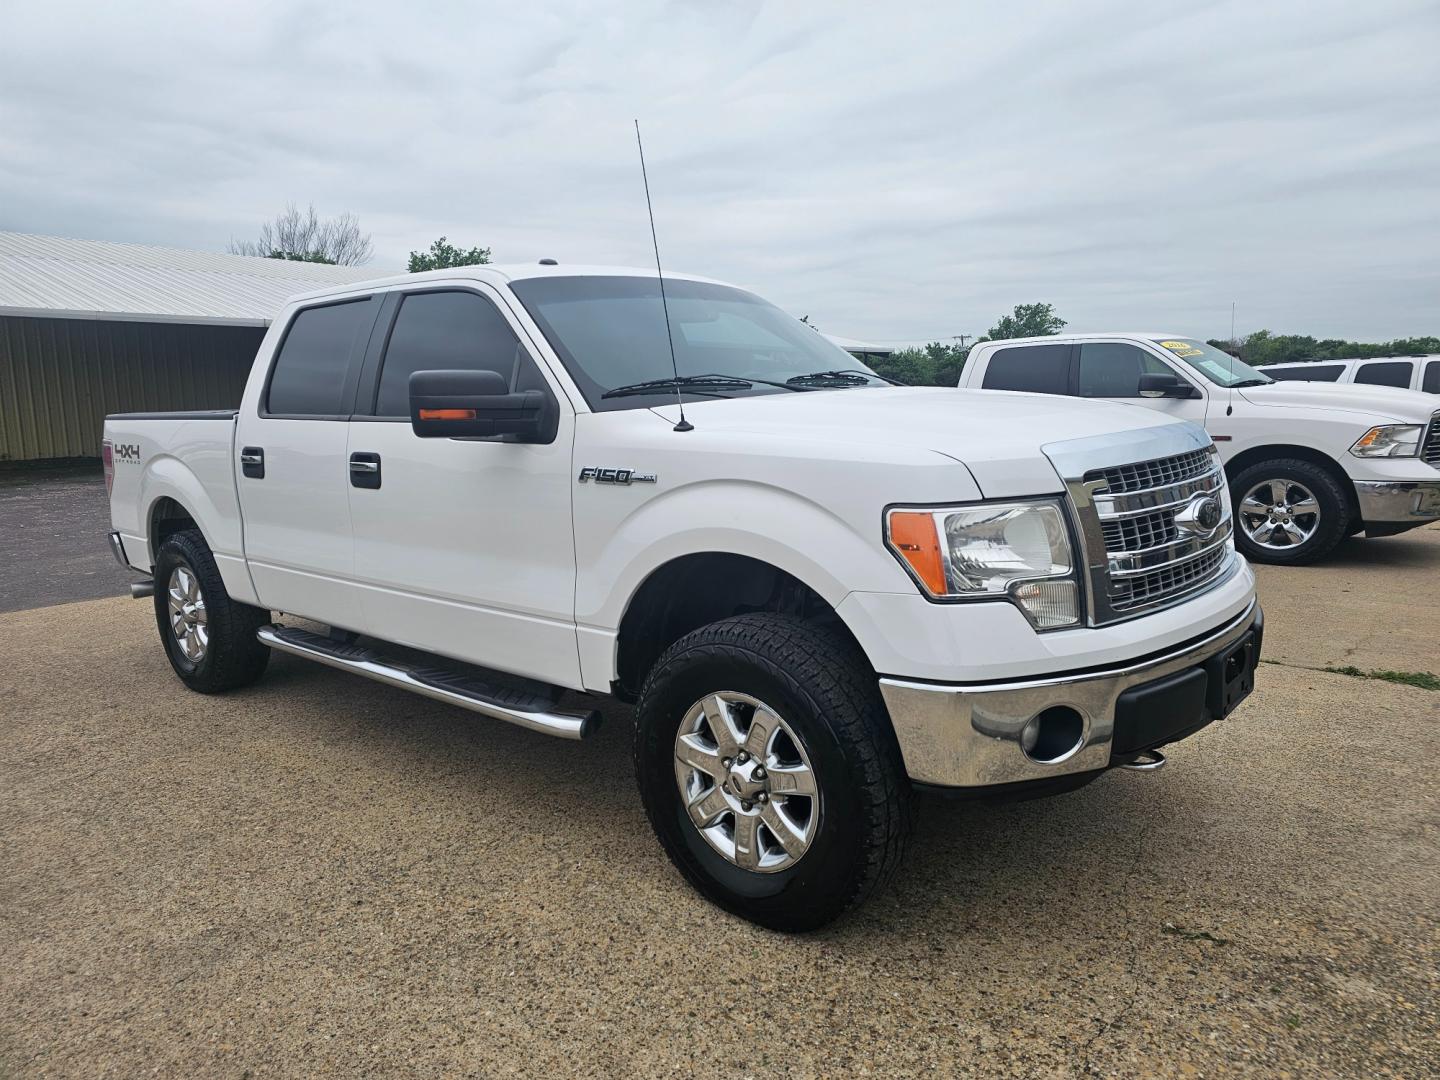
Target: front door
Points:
(463, 547)
(294, 490)
(1112, 369)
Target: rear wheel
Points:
(209, 638)
(1288, 511)
(769, 770)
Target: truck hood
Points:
(1371, 402)
(996, 435)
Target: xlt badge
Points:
(615, 476)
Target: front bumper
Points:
(971, 736)
(1399, 502)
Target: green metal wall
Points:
(59, 377)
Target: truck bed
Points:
(186, 457)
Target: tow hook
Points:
(1149, 761)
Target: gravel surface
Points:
(320, 876)
(53, 521)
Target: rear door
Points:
(292, 477)
(463, 547)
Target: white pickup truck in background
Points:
(821, 590)
(1308, 463)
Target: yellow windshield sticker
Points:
(1181, 348)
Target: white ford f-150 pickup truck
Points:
(820, 590)
(1308, 463)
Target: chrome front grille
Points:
(1153, 474)
(1169, 581)
(1137, 533)
(1430, 451)
(1145, 545)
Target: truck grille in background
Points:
(1149, 560)
(1430, 451)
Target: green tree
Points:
(442, 253)
(935, 364)
(1028, 320)
(1262, 347)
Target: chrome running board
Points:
(453, 688)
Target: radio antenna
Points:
(683, 425)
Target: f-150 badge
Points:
(615, 476)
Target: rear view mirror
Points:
(1158, 385)
(477, 404)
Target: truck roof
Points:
(497, 274)
(1056, 339)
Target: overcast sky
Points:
(895, 171)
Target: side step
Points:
(452, 687)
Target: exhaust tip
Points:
(1053, 735)
(139, 590)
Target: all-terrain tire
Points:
(1334, 510)
(826, 693)
(232, 656)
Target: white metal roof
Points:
(850, 345)
(92, 279)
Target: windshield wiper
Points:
(658, 386)
(1251, 382)
(843, 377)
(696, 382)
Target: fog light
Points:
(1048, 603)
(1053, 735)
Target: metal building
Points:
(89, 328)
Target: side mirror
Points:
(1158, 385)
(478, 404)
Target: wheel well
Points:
(167, 517)
(1243, 460)
(696, 590)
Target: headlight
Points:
(1394, 440)
(1019, 551)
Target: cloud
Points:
(893, 171)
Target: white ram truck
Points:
(488, 486)
(1308, 463)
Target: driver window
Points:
(449, 329)
(1113, 370)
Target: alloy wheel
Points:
(188, 619)
(1279, 515)
(746, 782)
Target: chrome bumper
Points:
(970, 736)
(1414, 501)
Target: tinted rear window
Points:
(1040, 369)
(310, 374)
(1393, 373)
(1431, 385)
(1308, 373)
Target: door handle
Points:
(252, 462)
(365, 469)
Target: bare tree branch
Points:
(306, 238)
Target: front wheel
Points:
(1288, 511)
(769, 770)
(209, 638)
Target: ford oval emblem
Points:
(1201, 516)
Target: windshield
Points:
(610, 333)
(1219, 367)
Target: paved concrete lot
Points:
(320, 876)
(53, 521)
